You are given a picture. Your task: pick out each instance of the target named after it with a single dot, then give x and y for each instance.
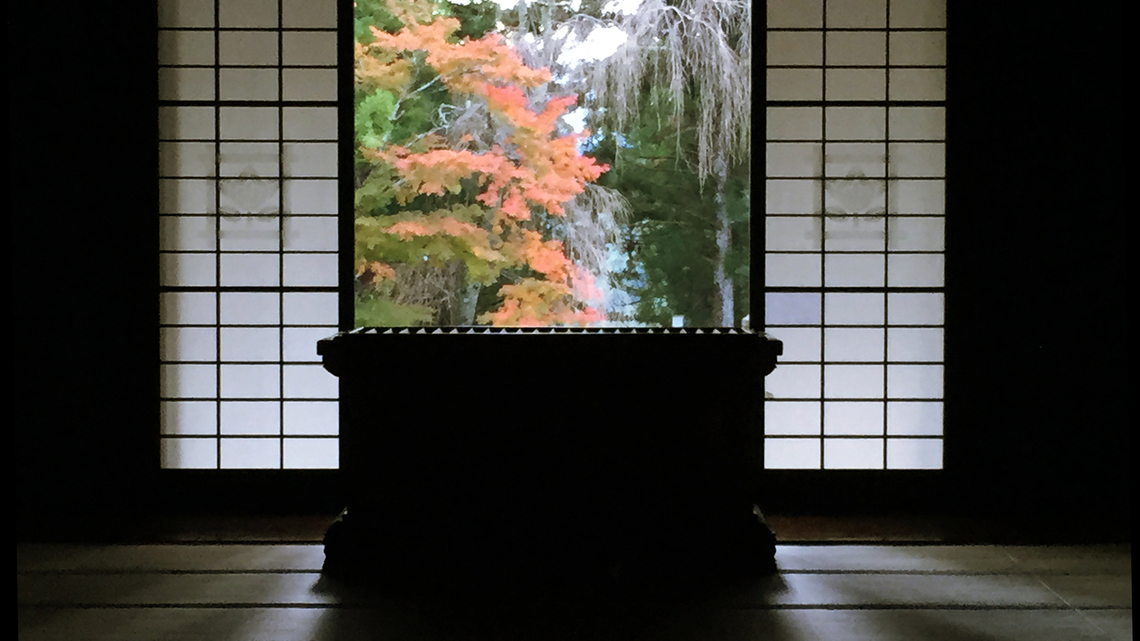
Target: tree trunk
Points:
(461, 310)
(724, 312)
(470, 295)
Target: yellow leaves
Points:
(411, 11)
(437, 223)
(406, 229)
(379, 69)
(373, 272)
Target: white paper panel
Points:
(914, 418)
(310, 381)
(856, 84)
(251, 418)
(309, 48)
(186, 13)
(250, 453)
(189, 417)
(185, 83)
(800, 343)
(795, 84)
(251, 344)
(250, 270)
(311, 14)
(312, 453)
(188, 381)
(852, 309)
(185, 47)
(188, 344)
(792, 454)
(853, 344)
(852, 419)
(308, 84)
(794, 381)
(247, 13)
(914, 454)
(251, 381)
(860, 48)
(312, 159)
(310, 270)
(247, 48)
(792, 270)
(794, 123)
(250, 308)
(855, 14)
(852, 453)
(187, 308)
(795, 47)
(189, 453)
(853, 381)
(185, 123)
(915, 309)
(188, 269)
(303, 418)
(310, 308)
(914, 381)
(300, 343)
(795, 13)
(791, 418)
(309, 123)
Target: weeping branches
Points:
(701, 45)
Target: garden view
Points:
(552, 162)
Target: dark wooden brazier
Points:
(549, 452)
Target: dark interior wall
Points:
(1036, 312)
(1037, 242)
(82, 193)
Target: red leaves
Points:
(435, 171)
(536, 303)
(536, 171)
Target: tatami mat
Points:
(219, 592)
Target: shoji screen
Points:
(854, 232)
(248, 216)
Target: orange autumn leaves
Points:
(531, 171)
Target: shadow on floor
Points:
(678, 607)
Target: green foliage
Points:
(475, 19)
(373, 118)
(369, 13)
(671, 241)
(436, 250)
(373, 310)
(376, 193)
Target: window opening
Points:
(552, 162)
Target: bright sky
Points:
(615, 6)
(598, 44)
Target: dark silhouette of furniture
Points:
(549, 452)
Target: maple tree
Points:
(440, 202)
